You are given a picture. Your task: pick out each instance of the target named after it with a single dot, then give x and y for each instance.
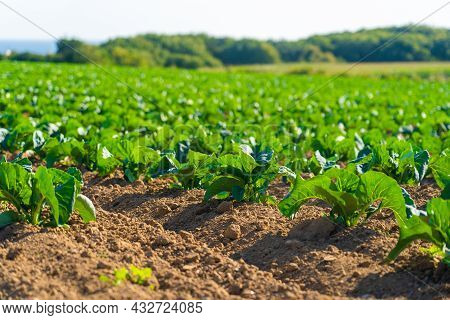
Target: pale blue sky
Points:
(276, 19)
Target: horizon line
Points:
(220, 36)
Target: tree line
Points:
(192, 51)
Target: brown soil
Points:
(213, 251)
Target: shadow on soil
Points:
(134, 200)
(15, 232)
(425, 284)
(276, 248)
(192, 217)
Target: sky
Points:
(262, 19)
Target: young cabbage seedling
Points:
(351, 197)
(140, 276)
(432, 225)
(441, 172)
(245, 175)
(190, 171)
(401, 161)
(135, 158)
(47, 197)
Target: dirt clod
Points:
(12, 254)
(162, 240)
(103, 265)
(356, 274)
(364, 264)
(86, 254)
(187, 236)
(225, 206)
(163, 209)
(290, 267)
(192, 257)
(232, 232)
(312, 230)
(328, 258)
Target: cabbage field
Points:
(286, 178)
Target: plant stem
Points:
(36, 212)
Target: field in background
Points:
(415, 69)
